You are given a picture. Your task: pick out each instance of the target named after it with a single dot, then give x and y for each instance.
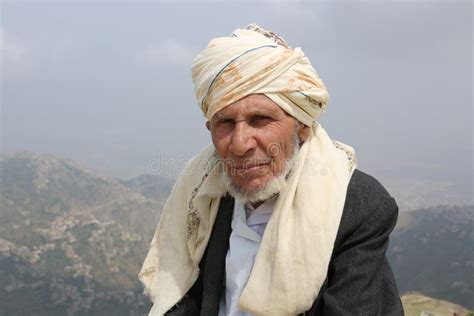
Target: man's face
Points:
(254, 137)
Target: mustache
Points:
(241, 166)
(245, 162)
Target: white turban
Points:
(293, 257)
(249, 62)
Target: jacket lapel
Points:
(213, 263)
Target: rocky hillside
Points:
(432, 251)
(71, 242)
(416, 304)
(151, 186)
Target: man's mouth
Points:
(249, 167)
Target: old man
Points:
(272, 218)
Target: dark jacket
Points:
(359, 280)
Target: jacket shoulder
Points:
(363, 186)
(368, 206)
(366, 195)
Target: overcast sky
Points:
(108, 84)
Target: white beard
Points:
(272, 187)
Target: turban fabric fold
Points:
(248, 62)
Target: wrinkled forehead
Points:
(253, 104)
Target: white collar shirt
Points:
(248, 225)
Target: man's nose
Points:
(242, 139)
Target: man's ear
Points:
(208, 125)
(304, 132)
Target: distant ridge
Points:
(417, 304)
(432, 251)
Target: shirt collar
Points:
(264, 208)
(258, 216)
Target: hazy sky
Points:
(108, 84)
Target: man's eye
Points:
(225, 122)
(259, 119)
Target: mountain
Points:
(416, 304)
(71, 242)
(431, 251)
(151, 186)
